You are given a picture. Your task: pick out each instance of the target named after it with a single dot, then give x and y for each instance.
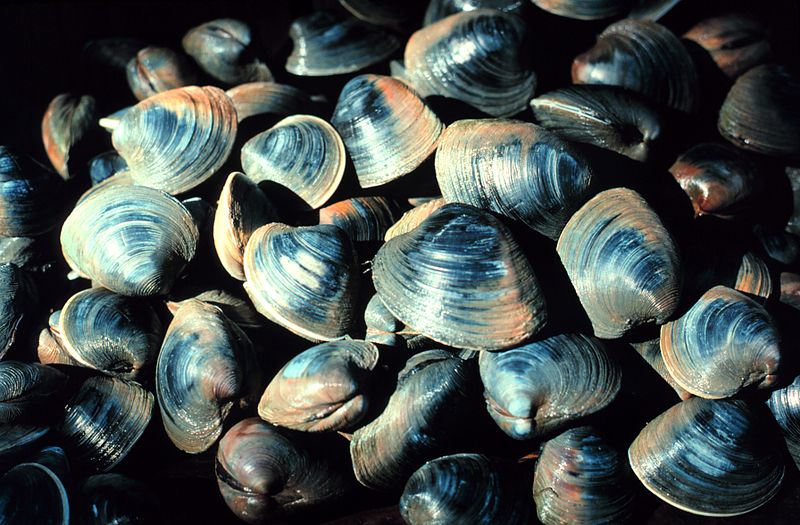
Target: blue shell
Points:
(785, 406)
(363, 218)
(115, 498)
(158, 69)
(32, 493)
(17, 296)
(25, 388)
(105, 165)
(29, 197)
(438, 9)
(258, 98)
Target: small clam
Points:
(259, 98)
(536, 389)
(362, 218)
(158, 69)
(66, 122)
(785, 406)
(177, 139)
(305, 279)
(651, 352)
(514, 168)
(644, 57)
(761, 112)
(725, 342)
(413, 218)
(323, 388)
(17, 296)
(223, 48)
(582, 478)
(461, 279)
(328, 43)
(610, 117)
(475, 57)
(622, 261)
(116, 499)
(29, 197)
(206, 364)
(438, 9)
(584, 9)
(302, 153)
(465, 488)
(387, 128)
(713, 458)
(26, 388)
(736, 41)
(133, 240)
(32, 493)
(105, 165)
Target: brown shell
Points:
(67, 120)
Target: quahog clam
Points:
(414, 217)
(25, 390)
(28, 196)
(234, 306)
(67, 121)
(259, 98)
(736, 41)
(158, 69)
(785, 407)
(362, 218)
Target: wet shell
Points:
(461, 279)
(32, 493)
(736, 41)
(536, 389)
(465, 488)
(242, 208)
(424, 416)
(177, 139)
(328, 43)
(105, 165)
(651, 352)
(24, 252)
(582, 478)
(387, 128)
(362, 218)
(158, 69)
(29, 197)
(623, 263)
(26, 389)
(17, 297)
(305, 279)
(103, 421)
(753, 277)
(223, 48)
(785, 406)
(514, 168)
(438, 9)
(761, 112)
(66, 122)
(105, 499)
(713, 458)
(725, 342)
(206, 364)
(302, 153)
(323, 388)
(475, 57)
(644, 57)
(17, 441)
(413, 218)
(131, 239)
(236, 308)
(610, 117)
(259, 98)
(584, 9)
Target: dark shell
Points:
(762, 112)
(790, 289)
(26, 388)
(112, 52)
(644, 57)
(713, 458)
(381, 12)
(66, 122)
(514, 168)
(54, 458)
(438, 9)
(622, 261)
(259, 98)
(610, 117)
(32, 493)
(28, 253)
(584, 9)
(362, 218)
(328, 43)
(651, 352)
(105, 165)
(461, 279)
(17, 297)
(793, 224)
(465, 488)
(651, 9)
(105, 499)
(158, 69)
(29, 196)
(779, 245)
(536, 389)
(735, 41)
(17, 441)
(785, 406)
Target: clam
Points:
(582, 478)
(258, 98)
(362, 218)
(475, 57)
(387, 128)
(54, 458)
(329, 43)
(713, 458)
(779, 245)
(49, 351)
(785, 406)
(423, 420)
(66, 122)
(382, 326)
(651, 9)
(622, 261)
(158, 69)
(29, 197)
(206, 365)
(305, 279)
(103, 421)
(718, 179)
(105, 165)
(26, 388)
(644, 57)
(17, 296)
(266, 475)
(761, 112)
(27, 253)
(117, 335)
(413, 218)
(793, 224)
(790, 289)
(380, 12)
(18, 440)
(302, 153)
(735, 41)
(133, 240)
(753, 277)
(110, 122)
(241, 209)
(725, 342)
(236, 308)
(609, 117)
(115, 499)
(465, 488)
(584, 9)
(651, 352)
(461, 279)
(514, 168)
(536, 389)
(177, 139)
(32, 493)
(224, 49)
(438, 9)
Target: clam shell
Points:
(329, 43)
(516, 169)
(323, 388)
(584, 9)
(651, 9)
(24, 252)
(644, 57)
(29, 197)
(258, 98)
(536, 389)
(475, 57)
(133, 240)
(17, 296)
(17, 441)
(713, 458)
(32, 493)
(785, 406)
(461, 279)
(753, 277)
(177, 139)
(25, 388)
(387, 128)
(66, 122)
(114, 498)
(362, 218)
(105, 165)
(622, 261)
(236, 308)
(305, 279)
(725, 342)
(438, 9)
(158, 69)
(651, 352)
(736, 41)
(413, 218)
(302, 153)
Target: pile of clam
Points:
(452, 282)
